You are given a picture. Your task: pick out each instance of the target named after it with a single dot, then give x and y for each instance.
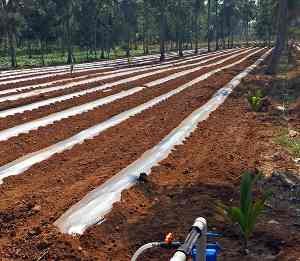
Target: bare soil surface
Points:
(35, 140)
(23, 101)
(49, 185)
(202, 171)
(45, 110)
(78, 74)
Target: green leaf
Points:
(247, 214)
(246, 193)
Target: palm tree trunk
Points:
(222, 31)
(95, 41)
(12, 49)
(281, 37)
(128, 44)
(69, 43)
(162, 34)
(208, 25)
(42, 52)
(196, 15)
(247, 25)
(217, 27)
(69, 34)
(180, 51)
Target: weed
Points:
(292, 144)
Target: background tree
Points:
(161, 8)
(197, 6)
(281, 39)
(209, 25)
(264, 25)
(59, 31)
(40, 23)
(11, 20)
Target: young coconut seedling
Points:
(255, 100)
(247, 213)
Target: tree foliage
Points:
(99, 27)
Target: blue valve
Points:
(212, 252)
(212, 249)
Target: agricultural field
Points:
(149, 130)
(52, 58)
(74, 145)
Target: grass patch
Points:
(292, 144)
(56, 57)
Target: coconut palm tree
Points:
(10, 19)
(287, 10)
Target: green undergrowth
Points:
(291, 144)
(59, 58)
(56, 57)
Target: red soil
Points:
(185, 185)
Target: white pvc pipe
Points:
(179, 256)
(96, 204)
(20, 165)
(200, 225)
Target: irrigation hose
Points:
(143, 248)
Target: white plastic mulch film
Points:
(96, 204)
(43, 73)
(54, 117)
(35, 105)
(20, 165)
(103, 77)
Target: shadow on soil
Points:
(174, 210)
